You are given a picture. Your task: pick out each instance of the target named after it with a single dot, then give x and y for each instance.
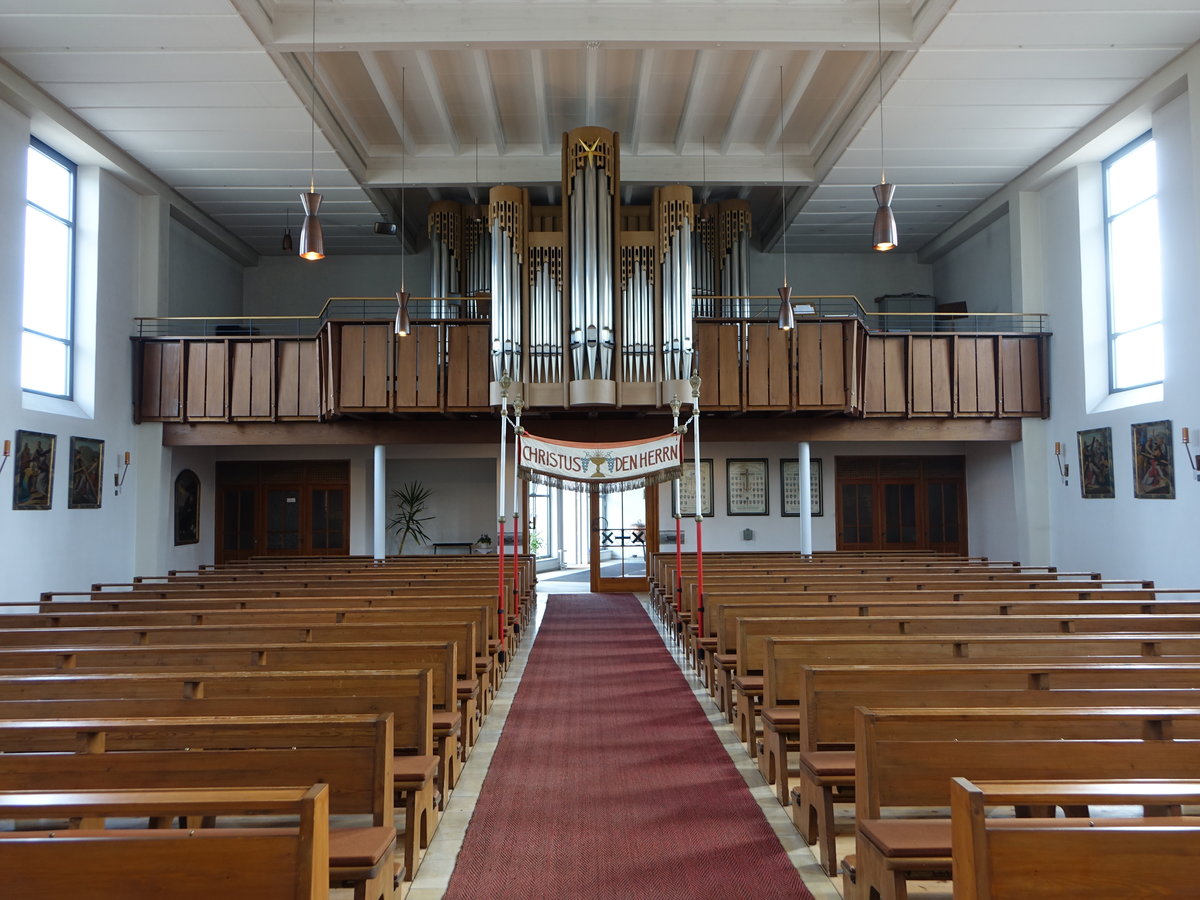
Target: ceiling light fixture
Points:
(403, 323)
(287, 231)
(787, 316)
(312, 237)
(884, 235)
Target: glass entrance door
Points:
(623, 532)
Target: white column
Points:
(805, 476)
(380, 527)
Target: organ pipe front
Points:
(592, 301)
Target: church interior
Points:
(539, 304)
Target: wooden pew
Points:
(352, 754)
(103, 864)
(1072, 859)
(826, 722)
(782, 657)
(404, 690)
(907, 758)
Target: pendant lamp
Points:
(787, 316)
(403, 324)
(312, 237)
(884, 235)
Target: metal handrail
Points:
(466, 310)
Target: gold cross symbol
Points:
(590, 153)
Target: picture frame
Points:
(684, 494)
(789, 487)
(33, 470)
(746, 488)
(1096, 477)
(1153, 461)
(84, 491)
(187, 508)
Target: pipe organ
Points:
(460, 264)
(592, 301)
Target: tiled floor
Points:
(433, 877)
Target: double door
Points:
(284, 509)
(902, 503)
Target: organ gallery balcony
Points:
(348, 362)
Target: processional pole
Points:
(505, 383)
(694, 381)
(675, 405)
(518, 405)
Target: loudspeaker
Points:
(385, 228)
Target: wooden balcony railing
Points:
(360, 367)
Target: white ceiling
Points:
(213, 97)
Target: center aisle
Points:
(608, 780)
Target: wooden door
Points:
(897, 503)
(293, 508)
(624, 530)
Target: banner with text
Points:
(601, 467)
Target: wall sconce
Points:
(1193, 461)
(119, 477)
(8, 452)
(1064, 469)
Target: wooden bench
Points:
(782, 657)
(192, 864)
(906, 758)
(1073, 859)
(412, 773)
(352, 754)
(824, 736)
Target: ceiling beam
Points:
(692, 102)
(645, 67)
(591, 75)
(698, 23)
(373, 64)
(799, 86)
(437, 99)
(491, 105)
(753, 74)
(538, 63)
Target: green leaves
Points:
(408, 521)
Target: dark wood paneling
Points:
(930, 375)
(252, 384)
(298, 394)
(766, 364)
(364, 372)
(976, 368)
(207, 380)
(886, 375)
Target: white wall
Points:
(288, 285)
(1121, 537)
(866, 275)
(980, 274)
(203, 280)
(60, 548)
(463, 502)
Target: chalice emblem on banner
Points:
(598, 458)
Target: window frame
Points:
(71, 223)
(1109, 219)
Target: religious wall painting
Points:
(33, 471)
(789, 487)
(1153, 461)
(685, 489)
(746, 487)
(187, 508)
(87, 469)
(1096, 464)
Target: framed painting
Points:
(1096, 464)
(187, 508)
(789, 486)
(1153, 461)
(87, 467)
(685, 489)
(33, 471)
(746, 487)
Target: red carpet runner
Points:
(609, 781)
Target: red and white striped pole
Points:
(518, 405)
(694, 381)
(505, 384)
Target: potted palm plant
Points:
(411, 500)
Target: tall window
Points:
(1135, 333)
(49, 272)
